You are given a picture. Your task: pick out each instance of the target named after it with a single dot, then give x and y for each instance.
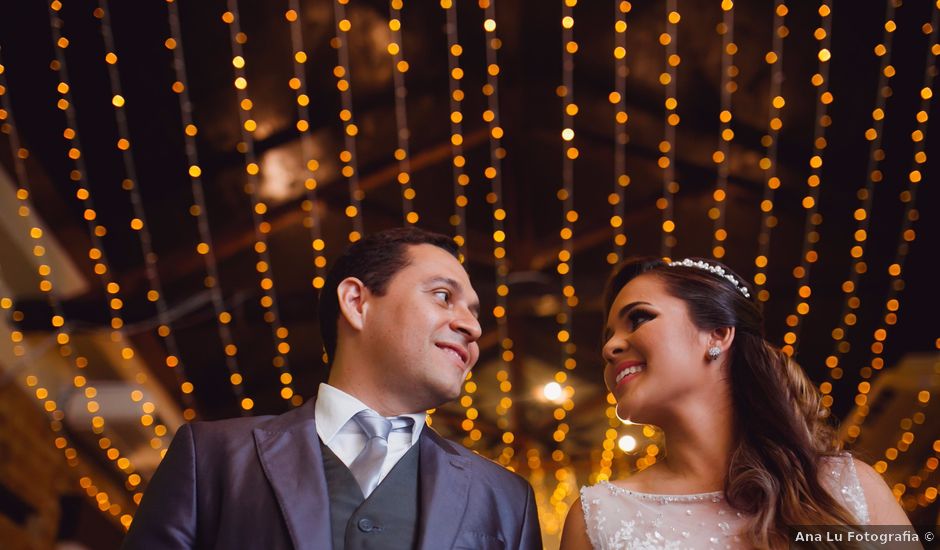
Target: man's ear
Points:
(352, 294)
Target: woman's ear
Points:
(352, 293)
(721, 338)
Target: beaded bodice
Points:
(618, 518)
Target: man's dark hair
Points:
(374, 260)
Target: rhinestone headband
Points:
(717, 270)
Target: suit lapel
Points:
(445, 489)
(289, 451)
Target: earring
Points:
(713, 353)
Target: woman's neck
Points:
(699, 443)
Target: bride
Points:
(749, 453)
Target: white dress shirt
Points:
(338, 431)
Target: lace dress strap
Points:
(840, 477)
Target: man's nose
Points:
(467, 323)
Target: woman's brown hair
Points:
(782, 434)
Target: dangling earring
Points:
(713, 353)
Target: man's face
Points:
(422, 334)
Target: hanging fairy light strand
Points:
(299, 84)
(493, 175)
(619, 98)
(605, 465)
(616, 199)
(96, 231)
(906, 234)
(669, 40)
(916, 480)
(904, 438)
(907, 428)
(109, 501)
(862, 214)
(928, 495)
(58, 323)
(402, 154)
(138, 224)
(770, 141)
(259, 208)
(461, 180)
(559, 390)
(720, 157)
(566, 196)
(199, 210)
(810, 202)
(350, 130)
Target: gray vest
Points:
(387, 520)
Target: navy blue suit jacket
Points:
(259, 483)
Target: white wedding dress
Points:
(618, 518)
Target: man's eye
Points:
(443, 295)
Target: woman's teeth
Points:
(627, 372)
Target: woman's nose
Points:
(613, 348)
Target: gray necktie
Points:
(367, 466)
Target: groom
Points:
(356, 467)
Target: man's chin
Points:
(448, 395)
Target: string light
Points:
(865, 194)
(563, 475)
(299, 84)
(111, 501)
(493, 174)
(720, 157)
(619, 99)
(59, 323)
(651, 451)
(605, 467)
(810, 202)
(915, 481)
(929, 494)
(566, 196)
(348, 155)
(667, 157)
(904, 438)
(471, 413)
(906, 234)
(402, 154)
(139, 224)
(199, 210)
(259, 208)
(461, 179)
(96, 231)
(604, 470)
(768, 163)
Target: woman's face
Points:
(655, 356)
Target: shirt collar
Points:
(334, 408)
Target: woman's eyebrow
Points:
(621, 313)
(626, 309)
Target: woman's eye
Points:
(638, 317)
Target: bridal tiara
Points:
(714, 269)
